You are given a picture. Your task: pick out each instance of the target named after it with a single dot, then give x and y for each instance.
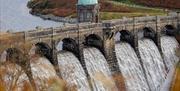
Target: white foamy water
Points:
(168, 46)
(152, 63)
(42, 71)
(72, 71)
(3, 57)
(12, 75)
(131, 68)
(98, 70)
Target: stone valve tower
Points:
(88, 11)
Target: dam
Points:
(141, 50)
(93, 55)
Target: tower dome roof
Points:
(87, 2)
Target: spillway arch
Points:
(44, 50)
(146, 32)
(131, 36)
(70, 44)
(124, 36)
(169, 30)
(94, 40)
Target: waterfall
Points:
(98, 70)
(131, 68)
(168, 46)
(42, 71)
(13, 75)
(72, 71)
(152, 63)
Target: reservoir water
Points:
(15, 16)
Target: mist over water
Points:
(98, 70)
(72, 71)
(152, 63)
(131, 68)
(168, 46)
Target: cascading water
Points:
(13, 77)
(131, 68)
(168, 46)
(42, 71)
(72, 71)
(152, 63)
(98, 70)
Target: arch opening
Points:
(126, 36)
(94, 40)
(69, 44)
(148, 32)
(43, 50)
(169, 30)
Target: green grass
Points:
(134, 11)
(114, 15)
(125, 1)
(119, 15)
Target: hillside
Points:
(171, 4)
(68, 7)
(109, 9)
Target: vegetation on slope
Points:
(171, 4)
(110, 9)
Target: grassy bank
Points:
(114, 15)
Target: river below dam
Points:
(15, 16)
